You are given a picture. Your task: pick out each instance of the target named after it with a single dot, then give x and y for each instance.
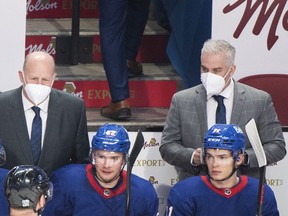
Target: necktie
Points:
(221, 110)
(36, 135)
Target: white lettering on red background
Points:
(76, 94)
(40, 47)
(39, 6)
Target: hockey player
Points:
(3, 173)
(27, 189)
(222, 191)
(98, 189)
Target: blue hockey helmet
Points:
(2, 155)
(111, 137)
(225, 136)
(25, 184)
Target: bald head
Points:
(38, 68)
(38, 56)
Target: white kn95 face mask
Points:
(37, 93)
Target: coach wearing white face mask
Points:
(219, 99)
(40, 125)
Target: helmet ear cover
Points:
(227, 137)
(25, 198)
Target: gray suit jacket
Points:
(66, 137)
(186, 126)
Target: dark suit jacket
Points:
(66, 136)
(186, 126)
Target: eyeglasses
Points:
(108, 161)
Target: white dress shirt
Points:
(228, 102)
(29, 115)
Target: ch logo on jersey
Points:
(227, 191)
(106, 192)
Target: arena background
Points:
(261, 45)
(12, 42)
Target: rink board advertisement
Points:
(150, 166)
(258, 30)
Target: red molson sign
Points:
(60, 8)
(40, 43)
(152, 48)
(146, 93)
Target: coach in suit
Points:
(64, 136)
(193, 111)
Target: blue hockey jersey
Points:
(197, 196)
(77, 193)
(3, 200)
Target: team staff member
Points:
(99, 188)
(222, 191)
(64, 125)
(193, 111)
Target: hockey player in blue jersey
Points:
(3, 173)
(24, 190)
(27, 189)
(222, 192)
(98, 189)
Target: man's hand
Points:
(197, 157)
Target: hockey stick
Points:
(138, 144)
(169, 211)
(255, 141)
